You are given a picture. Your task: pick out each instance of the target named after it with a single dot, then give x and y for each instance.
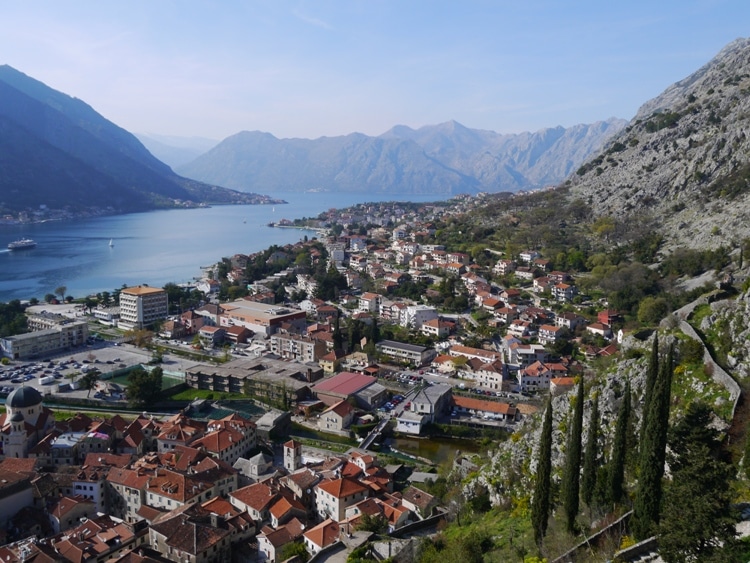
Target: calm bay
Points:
(152, 248)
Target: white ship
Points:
(22, 244)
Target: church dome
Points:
(17, 417)
(23, 397)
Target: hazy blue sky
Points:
(314, 68)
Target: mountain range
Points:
(58, 152)
(683, 162)
(442, 159)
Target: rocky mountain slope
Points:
(57, 151)
(684, 159)
(441, 159)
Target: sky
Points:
(308, 68)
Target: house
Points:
(333, 496)
(337, 417)
(569, 321)
(331, 361)
(504, 267)
(474, 353)
(490, 375)
(414, 316)
(529, 256)
(521, 329)
(609, 317)
(173, 329)
(321, 536)
(432, 401)
(524, 273)
(538, 375)
(271, 542)
(600, 329)
(255, 499)
(438, 328)
(564, 291)
(510, 295)
(212, 335)
(549, 334)
(521, 355)
(418, 501)
(489, 410)
(238, 334)
(183, 538)
(369, 302)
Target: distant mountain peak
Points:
(58, 151)
(441, 159)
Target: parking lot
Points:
(52, 376)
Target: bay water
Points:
(152, 248)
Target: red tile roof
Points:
(345, 383)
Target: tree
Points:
(293, 549)
(144, 388)
(697, 518)
(338, 337)
(619, 449)
(651, 376)
(652, 310)
(572, 469)
(88, 381)
(104, 298)
(540, 503)
(591, 456)
(377, 523)
(89, 303)
(61, 291)
(653, 453)
(49, 297)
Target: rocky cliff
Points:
(684, 159)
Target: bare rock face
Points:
(684, 160)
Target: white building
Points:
(140, 306)
(414, 316)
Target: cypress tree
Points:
(651, 376)
(653, 451)
(591, 456)
(540, 504)
(338, 337)
(619, 449)
(572, 469)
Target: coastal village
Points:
(477, 350)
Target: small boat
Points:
(22, 244)
(111, 244)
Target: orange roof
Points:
(257, 496)
(142, 290)
(342, 488)
(324, 534)
(486, 406)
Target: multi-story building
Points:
(300, 348)
(141, 306)
(417, 355)
(262, 318)
(334, 496)
(43, 342)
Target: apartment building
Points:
(142, 305)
